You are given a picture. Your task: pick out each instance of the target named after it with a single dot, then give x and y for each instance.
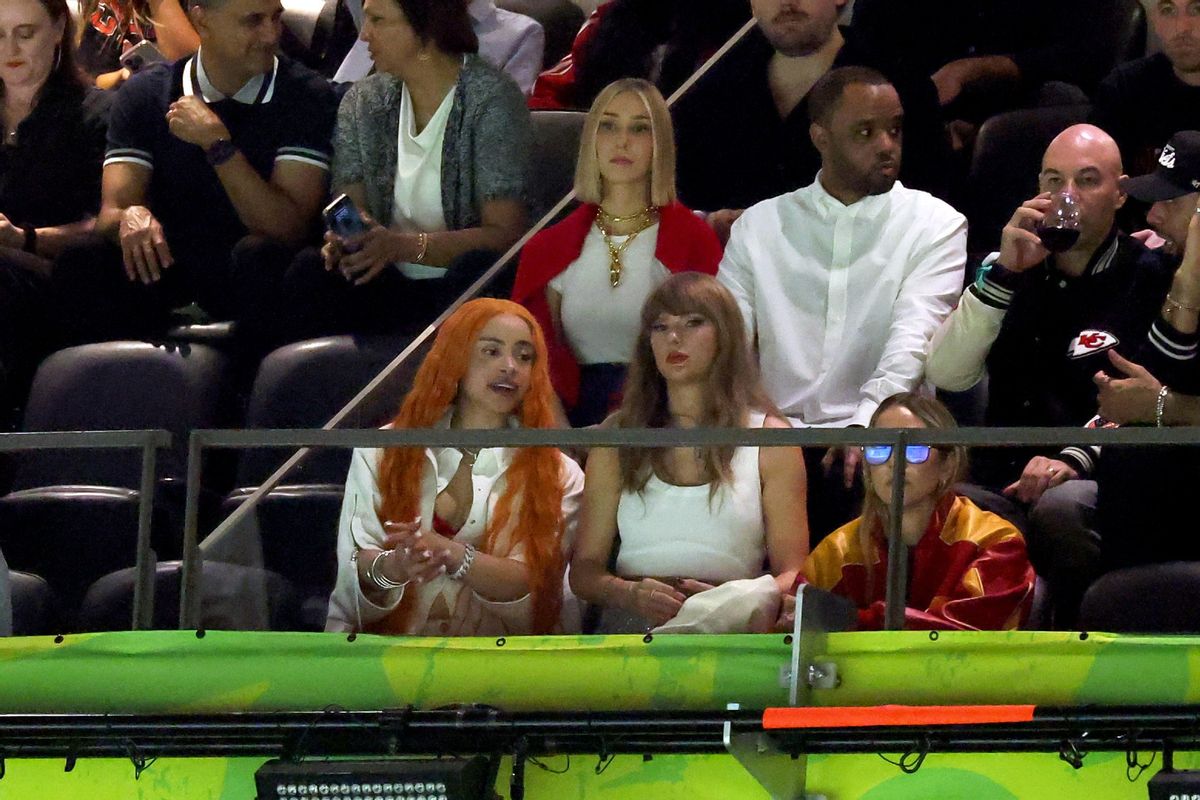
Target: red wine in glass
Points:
(1057, 240)
(1059, 228)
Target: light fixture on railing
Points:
(391, 779)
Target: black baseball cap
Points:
(1177, 174)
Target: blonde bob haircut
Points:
(589, 186)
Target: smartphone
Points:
(141, 54)
(342, 218)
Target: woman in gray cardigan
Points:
(434, 151)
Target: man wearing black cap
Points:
(1038, 325)
(1139, 511)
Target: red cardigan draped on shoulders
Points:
(685, 243)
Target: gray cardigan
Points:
(485, 156)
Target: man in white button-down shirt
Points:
(843, 282)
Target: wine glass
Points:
(1059, 228)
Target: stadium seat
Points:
(556, 146)
(73, 514)
(303, 385)
(1153, 598)
(233, 598)
(1005, 166)
(35, 606)
(561, 19)
(297, 533)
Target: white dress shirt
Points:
(509, 41)
(843, 299)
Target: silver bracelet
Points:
(375, 576)
(465, 567)
(1160, 406)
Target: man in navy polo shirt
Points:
(215, 172)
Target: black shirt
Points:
(1141, 104)
(290, 117)
(1054, 338)
(1063, 40)
(51, 176)
(734, 150)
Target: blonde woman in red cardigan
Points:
(586, 278)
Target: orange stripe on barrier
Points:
(879, 716)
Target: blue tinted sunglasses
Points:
(876, 454)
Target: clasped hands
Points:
(418, 555)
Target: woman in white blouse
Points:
(684, 519)
(448, 542)
(586, 278)
(434, 151)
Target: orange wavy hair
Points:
(533, 494)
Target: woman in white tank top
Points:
(687, 519)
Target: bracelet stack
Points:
(465, 566)
(376, 576)
(1160, 406)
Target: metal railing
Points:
(149, 442)
(897, 585)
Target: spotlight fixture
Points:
(391, 779)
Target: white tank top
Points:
(669, 530)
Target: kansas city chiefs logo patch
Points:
(1091, 342)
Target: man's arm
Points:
(525, 62)
(924, 301)
(128, 223)
(282, 208)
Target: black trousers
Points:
(94, 300)
(26, 330)
(322, 302)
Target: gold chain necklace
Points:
(604, 222)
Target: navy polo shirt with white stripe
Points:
(284, 115)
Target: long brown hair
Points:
(872, 527)
(733, 388)
(529, 512)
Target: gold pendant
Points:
(614, 272)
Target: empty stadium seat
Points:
(35, 606)
(74, 514)
(1154, 598)
(233, 598)
(303, 385)
(1005, 166)
(556, 146)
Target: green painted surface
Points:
(176, 671)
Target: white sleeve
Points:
(737, 273)
(358, 527)
(959, 350)
(924, 300)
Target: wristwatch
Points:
(220, 151)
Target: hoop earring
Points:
(57, 57)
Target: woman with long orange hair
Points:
(448, 541)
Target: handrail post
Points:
(147, 559)
(897, 583)
(189, 598)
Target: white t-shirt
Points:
(417, 198)
(601, 321)
(675, 531)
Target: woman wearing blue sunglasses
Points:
(969, 569)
